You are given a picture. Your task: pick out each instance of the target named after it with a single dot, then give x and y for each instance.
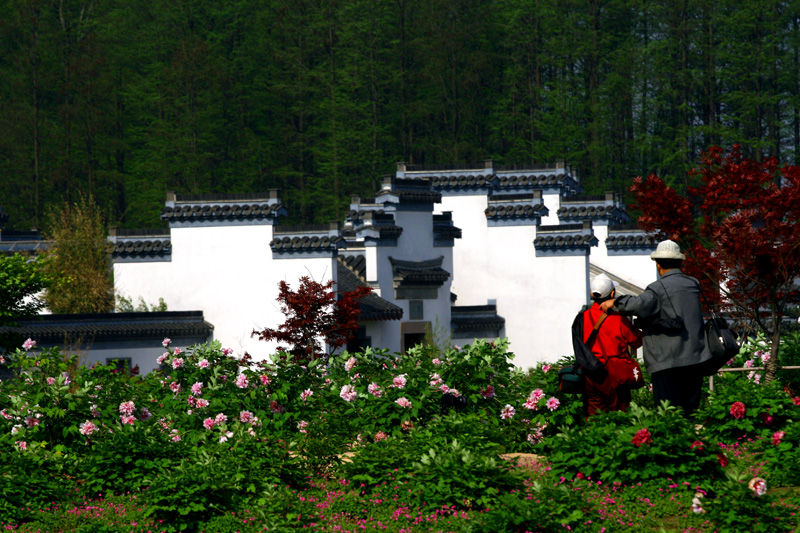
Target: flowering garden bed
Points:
(374, 441)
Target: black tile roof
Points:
(513, 210)
(564, 240)
(53, 329)
(532, 180)
(450, 182)
(372, 307)
(209, 211)
(629, 237)
(305, 242)
(428, 272)
(356, 263)
(138, 247)
(444, 231)
(466, 318)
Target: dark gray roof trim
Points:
(443, 231)
(583, 212)
(630, 240)
(139, 247)
(51, 329)
(428, 272)
(24, 247)
(565, 240)
(468, 318)
(305, 243)
(513, 210)
(357, 264)
(461, 182)
(227, 211)
(372, 307)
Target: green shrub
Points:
(606, 449)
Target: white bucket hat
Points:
(668, 250)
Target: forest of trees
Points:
(128, 99)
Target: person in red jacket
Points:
(615, 334)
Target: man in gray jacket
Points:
(669, 314)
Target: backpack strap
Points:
(593, 334)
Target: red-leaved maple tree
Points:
(315, 313)
(740, 228)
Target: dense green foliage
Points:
(211, 443)
(129, 99)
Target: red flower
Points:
(642, 436)
(697, 444)
(796, 400)
(723, 461)
(738, 410)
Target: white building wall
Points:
(227, 272)
(637, 268)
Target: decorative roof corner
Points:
(476, 321)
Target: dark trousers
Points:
(680, 386)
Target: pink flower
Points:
(642, 437)
(796, 400)
(177, 362)
(698, 445)
(436, 380)
(175, 387)
(176, 351)
(375, 389)
(452, 392)
(350, 364)
(264, 379)
(32, 420)
(161, 358)
(437, 361)
(127, 408)
(225, 436)
(488, 392)
(275, 407)
(764, 357)
(208, 423)
(507, 412)
(302, 425)
(241, 381)
(403, 402)
(166, 342)
(28, 344)
(227, 351)
(738, 410)
(245, 417)
(197, 389)
(348, 393)
(538, 434)
(777, 437)
(51, 381)
(754, 377)
(127, 419)
(758, 485)
(536, 395)
(545, 368)
(399, 381)
(200, 403)
(203, 363)
(221, 418)
(306, 394)
(88, 427)
(748, 363)
(176, 436)
(380, 435)
(22, 444)
(553, 403)
(530, 404)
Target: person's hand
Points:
(605, 306)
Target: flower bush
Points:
(208, 434)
